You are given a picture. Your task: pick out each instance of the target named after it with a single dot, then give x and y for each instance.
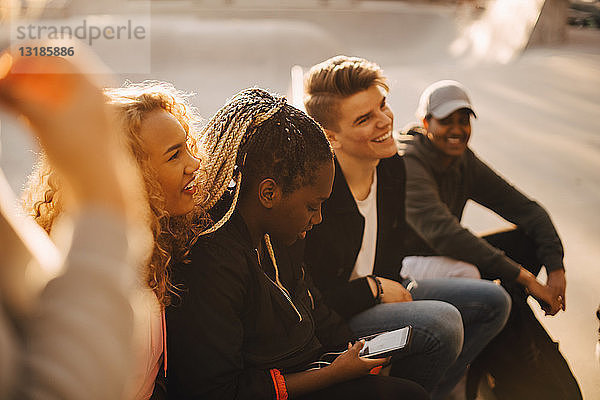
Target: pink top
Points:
(148, 342)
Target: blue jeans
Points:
(452, 320)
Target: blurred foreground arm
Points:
(67, 113)
(77, 343)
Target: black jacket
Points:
(435, 200)
(331, 248)
(232, 325)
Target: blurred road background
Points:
(537, 96)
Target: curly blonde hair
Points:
(173, 235)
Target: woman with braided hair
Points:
(160, 130)
(249, 323)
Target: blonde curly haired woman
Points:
(159, 127)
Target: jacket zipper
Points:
(310, 296)
(283, 291)
(312, 301)
(297, 349)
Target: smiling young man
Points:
(355, 254)
(442, 174)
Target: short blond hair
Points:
(335, 79)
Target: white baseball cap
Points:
(442, 98)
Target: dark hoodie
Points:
(435, 200)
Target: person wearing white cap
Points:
(442, 174)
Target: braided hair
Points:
(258, 135)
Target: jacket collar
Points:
(390, 205)
(341, 200)
(422, 146)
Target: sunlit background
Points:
(532, 68)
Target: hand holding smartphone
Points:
(385, 344)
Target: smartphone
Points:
(385, 344)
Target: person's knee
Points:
(502, 301)
(446, 325)
(450, 328)
(499, 303)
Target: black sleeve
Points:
(431, 218)
(495, 193)
(328, 261)
(331, 330)
(351, 298)
(205, 331)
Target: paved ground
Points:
(537, 120)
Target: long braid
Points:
(231, 129)
(271, 253)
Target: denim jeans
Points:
(452, 320)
